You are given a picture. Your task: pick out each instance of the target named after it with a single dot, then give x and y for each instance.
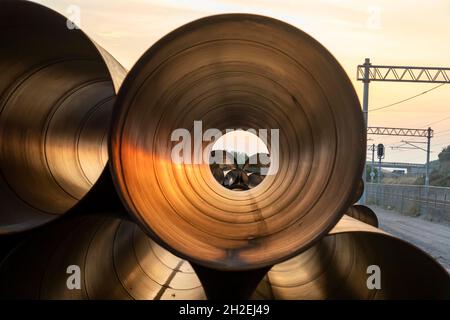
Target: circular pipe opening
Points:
(237, 71)
(239, 160)
(56, 98)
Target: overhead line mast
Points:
(368, 72)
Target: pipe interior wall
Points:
(337, 268)
(116, 259)
(56, 99)
(238, 71)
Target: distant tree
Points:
(440, 176)
(444, 155)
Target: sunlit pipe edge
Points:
(339, 267)
(36, 27)
(115, 258)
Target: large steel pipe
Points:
(238, 71)
(339, 267)
(116, 260)
(57, 89)
(363, 214)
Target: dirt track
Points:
(431, 237)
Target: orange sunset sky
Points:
(413, 32)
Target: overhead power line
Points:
(434, 122)
(368, 72)
(407, 99)
(440, 134)
(444, 131)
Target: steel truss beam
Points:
(406, 132)
(404, 74)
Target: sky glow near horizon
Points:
(403, 32)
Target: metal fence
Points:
(433, 202)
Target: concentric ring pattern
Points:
(238, 71)
(343, 264)
(57, 91)
(116, 260)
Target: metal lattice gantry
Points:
(408, 132)
(367, 72)
(403, 74)
(405, 132)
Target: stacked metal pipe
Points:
(76, 147)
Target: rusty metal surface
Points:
(238, 71)
(117, 261)
(336, 268)
(56, 99)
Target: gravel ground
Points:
(431, 237)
